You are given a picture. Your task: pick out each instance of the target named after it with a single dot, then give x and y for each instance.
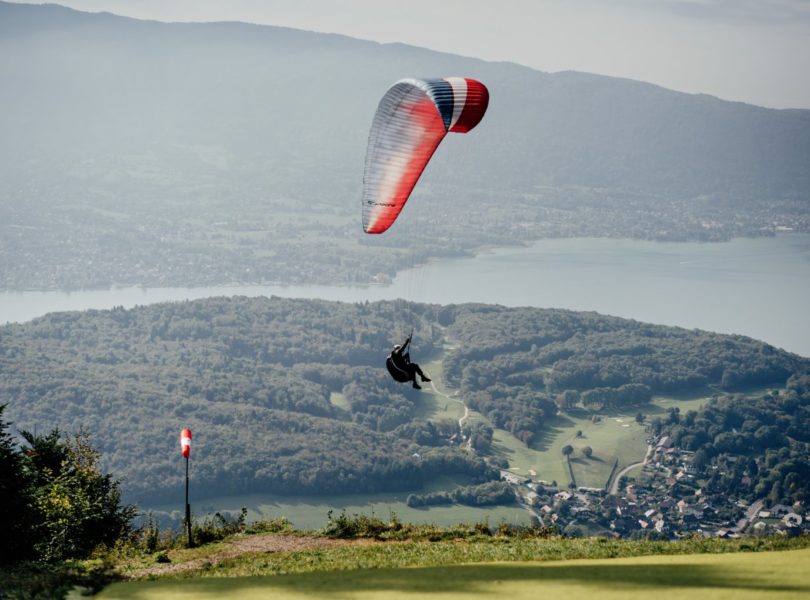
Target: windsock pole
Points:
(185, 446)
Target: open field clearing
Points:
(308, 513)
(738, 576)
(616, 435)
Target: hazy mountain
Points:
(150, 120)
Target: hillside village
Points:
(666, 500)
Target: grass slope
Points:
(615, 436)
(740, 576)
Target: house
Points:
(689, 521)
(693, 511)
(582, 513)
(754, 509)
(514, 478)
(666, 504)
(664, 443)
(613, 502)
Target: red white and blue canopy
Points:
(411, 121)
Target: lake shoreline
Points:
(748, 286)
(480, 251)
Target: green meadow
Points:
(614, 435)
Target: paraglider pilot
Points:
(400, 366)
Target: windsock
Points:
(185, 442)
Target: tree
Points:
(640, 418)
(567, 450)
(78, 506)
(587, 451)
(16, 502)
(701, 460)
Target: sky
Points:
(754, 51)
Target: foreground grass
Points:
(777, 574)
(265, 563)
(484, 549)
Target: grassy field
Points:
(778, 574)
(437, 406)
(310, 512)
(340, 401)
(615, 436)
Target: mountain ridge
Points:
(117, 125)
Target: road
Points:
(614, 486)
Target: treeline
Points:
(750, 448)
(515, 365)
(629, 394)
(55, 502)
(486, 494)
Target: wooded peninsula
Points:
(257, 380)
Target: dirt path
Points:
(272, 542)
(443, 395)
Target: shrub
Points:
(218, 527)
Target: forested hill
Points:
(291, 396)
(185, 154)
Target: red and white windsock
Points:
(185, 442)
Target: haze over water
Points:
(754, 287)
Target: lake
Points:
(755, 287)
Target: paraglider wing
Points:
(411, 120)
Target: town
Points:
(665, 501)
